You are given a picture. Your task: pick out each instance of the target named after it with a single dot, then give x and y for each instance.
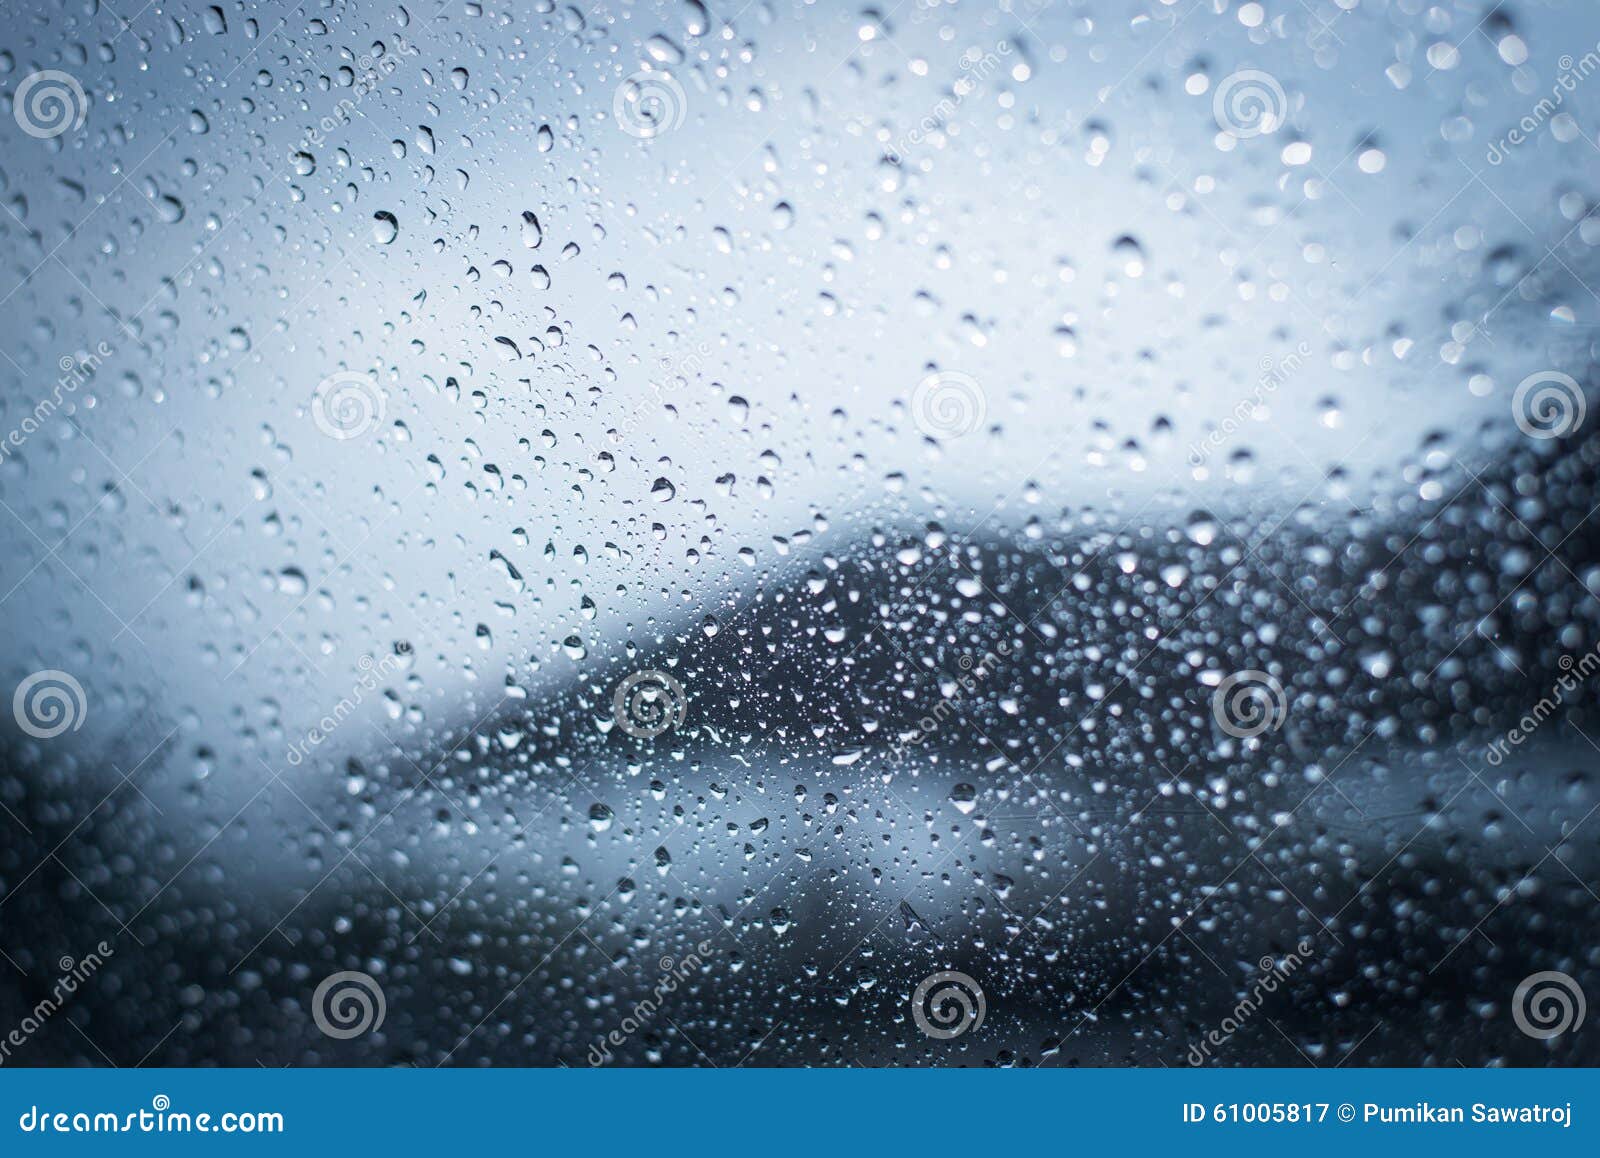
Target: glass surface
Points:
(1025, 533)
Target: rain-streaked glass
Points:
(1038, 532)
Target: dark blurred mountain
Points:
(922, 753)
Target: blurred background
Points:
(1033, 533)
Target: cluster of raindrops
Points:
(810, 533)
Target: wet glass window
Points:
(1012, 533)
